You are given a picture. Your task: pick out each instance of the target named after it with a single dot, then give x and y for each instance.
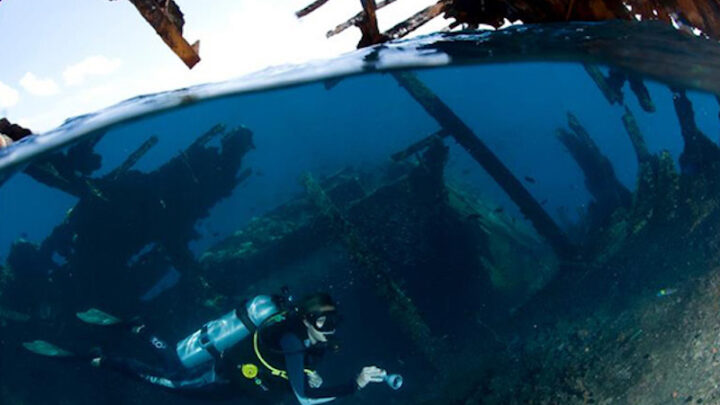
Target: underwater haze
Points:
(497, 223)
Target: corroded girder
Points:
(464, 136)
(167, 20)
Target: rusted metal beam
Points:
(416, 21)
(134, 157)
(167, 20)
(697, 17)
(310, 8)
(354, 20)
(636, 137)
(699, 153)
(464, 136)
(608, 192)
(368, 25)
(610, 86)
(419, 145)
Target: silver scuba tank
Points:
(217, 336)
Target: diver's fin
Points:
(95, 316)
(44, 348)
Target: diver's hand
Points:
(370, 374)
(314, 379)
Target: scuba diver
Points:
(267, 345)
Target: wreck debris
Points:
(167, 20)
(310, 8)
(464, 136)
(10, 133)
(208, 136)
(419, 145)
(6, 277)
(416, 21)
(68, 171)
(695, 17)
(700, 153)
(159, 208)
(699, 164)
(611, 86)
(607, 191)
(658, 181)
(699, 14)
(14, 131)
(369, 26)
(355, 20)
(641, 92)
(400, 304)
(636, 138)
(135, 156)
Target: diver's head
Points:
(319, 315)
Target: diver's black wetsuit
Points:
(281, 347)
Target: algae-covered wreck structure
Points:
(553, 243)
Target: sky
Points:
(71, 57)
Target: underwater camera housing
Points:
(216, 336)
(394, 381)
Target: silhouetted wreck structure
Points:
(697, 17)
(127, 212)
(396, 229)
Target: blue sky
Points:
(65, 58)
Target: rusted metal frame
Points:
(699, 153)
(464, 136)
(310, 8)
(47, 174)
(354, 20)
(689, 14)
(169, 28)
(216, 130)
(611, 89)
(419, 145)
(134, 157)
(636, 137)
(401, 306)
(601, 181)
(368, 25)
(416, 21)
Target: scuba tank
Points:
(207, 343)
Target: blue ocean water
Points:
(433, 278)
(310, 128)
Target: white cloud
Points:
(8, 96)
(70, 105)
(234, 41)
(37, 86)
(92, 66)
